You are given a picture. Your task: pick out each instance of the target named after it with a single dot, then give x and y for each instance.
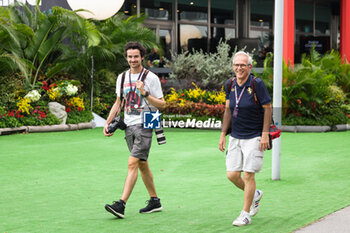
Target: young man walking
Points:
(138, 96)
(250, 123)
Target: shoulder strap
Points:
(252, 84)
(123, 79)
(122, 85)
(144, 75)
(256, 100)
(230, 84)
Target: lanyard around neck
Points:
(240, 96)
(235, 111)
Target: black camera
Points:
(117, 123)
(160, 136)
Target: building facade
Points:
(182, 25)
(200, 24)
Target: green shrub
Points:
(207, 70)
(10, 87)
(311, 91)
(76, 117)
(9, 122)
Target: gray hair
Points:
(250, 59)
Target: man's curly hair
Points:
(135, 45)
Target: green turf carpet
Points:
(60, 182)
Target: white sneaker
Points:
(254, 208)
(243, 219)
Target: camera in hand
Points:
(160, 136)
(117, 123)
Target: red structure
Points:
(288, 32)
(345, 30)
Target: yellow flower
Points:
(197, 93)
(220, 97)
(182, 103)
(77, 103)
(54, 93)
(23, 105)
(173, 96)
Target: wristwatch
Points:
(146, 94)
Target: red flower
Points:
(45, 87)
(68, 110)
(182, 94)
(11, 113)
(299, 101)
(107, 106)
(79, 109)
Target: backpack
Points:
(274, 131)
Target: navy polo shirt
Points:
(248, 123)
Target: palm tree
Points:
(108, 55)
(32, 40)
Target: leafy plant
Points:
(76, 117)
(312, 92)
(108, 56)
(196, 109)
(208, 70)
(33, 41)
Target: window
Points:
(129, 7)
(323, 17)
(261, 27)
(192, 37)
(193, 10)
(304, 18)
(161, 10)
(223, 12)
(223, 20)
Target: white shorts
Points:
(244, 155)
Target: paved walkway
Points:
(338, 222)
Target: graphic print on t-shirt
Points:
(132, 99)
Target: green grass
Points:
(60, 182)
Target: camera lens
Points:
(160, 136)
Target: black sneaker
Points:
(116, 209)
(153, 206)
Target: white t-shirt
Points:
(134, 103)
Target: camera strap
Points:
(144, 75)
(136, 80)
(130, 83)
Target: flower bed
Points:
(30, 108)
(197, 103)
(202, 105)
